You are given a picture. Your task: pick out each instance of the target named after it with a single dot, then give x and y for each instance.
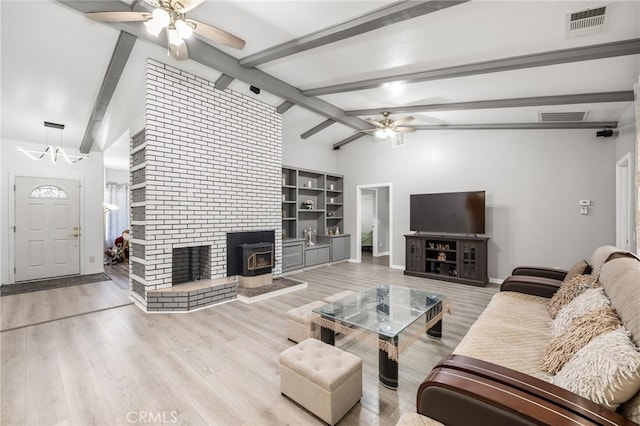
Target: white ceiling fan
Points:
(171, 15)
(388, 127)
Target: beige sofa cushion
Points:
(606, 370)
(513, 332)
(620, 280)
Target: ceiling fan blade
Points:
(403, 120)
(183, 6)
(374, 122)
(153, 3)
(179, 53)
(119, 16)
(216, 34)
(404, 129)
(365, 131)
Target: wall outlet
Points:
(92, 259)
(584, 210)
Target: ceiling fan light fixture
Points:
(174, 37)
(184, 30)
(161, 16)
(153, 27)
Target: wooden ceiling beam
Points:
(555, 57)
(118, 61)
(388, 15)
(583, 98)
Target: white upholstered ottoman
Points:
(299, 322)
(322, 378)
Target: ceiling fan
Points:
(171, 15)
(387, 127)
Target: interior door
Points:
(47, 233)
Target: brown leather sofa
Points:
(466, 390)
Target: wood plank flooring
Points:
(217, 366)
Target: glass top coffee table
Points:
(385, 310)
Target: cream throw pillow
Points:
(606, 370)
(580, 332)
(590, 300)
(577, 269)
(568, 290)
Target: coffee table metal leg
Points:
(436, 330)
(328, 336)
(388, 368)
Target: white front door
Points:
(47, 234)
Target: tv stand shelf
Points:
(460, 259)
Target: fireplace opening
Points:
(257, 259)
(191, 264)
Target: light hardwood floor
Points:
(217, 366)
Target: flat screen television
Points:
(448, 212)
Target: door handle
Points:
(74, 235)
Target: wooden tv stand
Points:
(460, 259)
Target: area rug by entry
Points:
(48, 284)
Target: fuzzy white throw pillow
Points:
(590, 300)
(606, 370)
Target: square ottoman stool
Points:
(322, 378)
(299, 324)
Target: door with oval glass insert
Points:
(47, 236)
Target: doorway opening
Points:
(373, 224)
(624, 203)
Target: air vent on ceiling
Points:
(555, 117)
(586, 22)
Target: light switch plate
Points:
(584, 210)
(585, 202)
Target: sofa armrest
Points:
(540, 271)
(537, 286)
(461, 390)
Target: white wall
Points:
(314, 153)
(90, 174)
(533, 179)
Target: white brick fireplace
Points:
(208, 163)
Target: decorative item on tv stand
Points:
(308, 234)
(307, 204)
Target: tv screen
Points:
(451, 212)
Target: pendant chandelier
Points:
(53, 152)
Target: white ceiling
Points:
(54, 60)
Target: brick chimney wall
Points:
(208, 163)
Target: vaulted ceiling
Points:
(450, 64)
